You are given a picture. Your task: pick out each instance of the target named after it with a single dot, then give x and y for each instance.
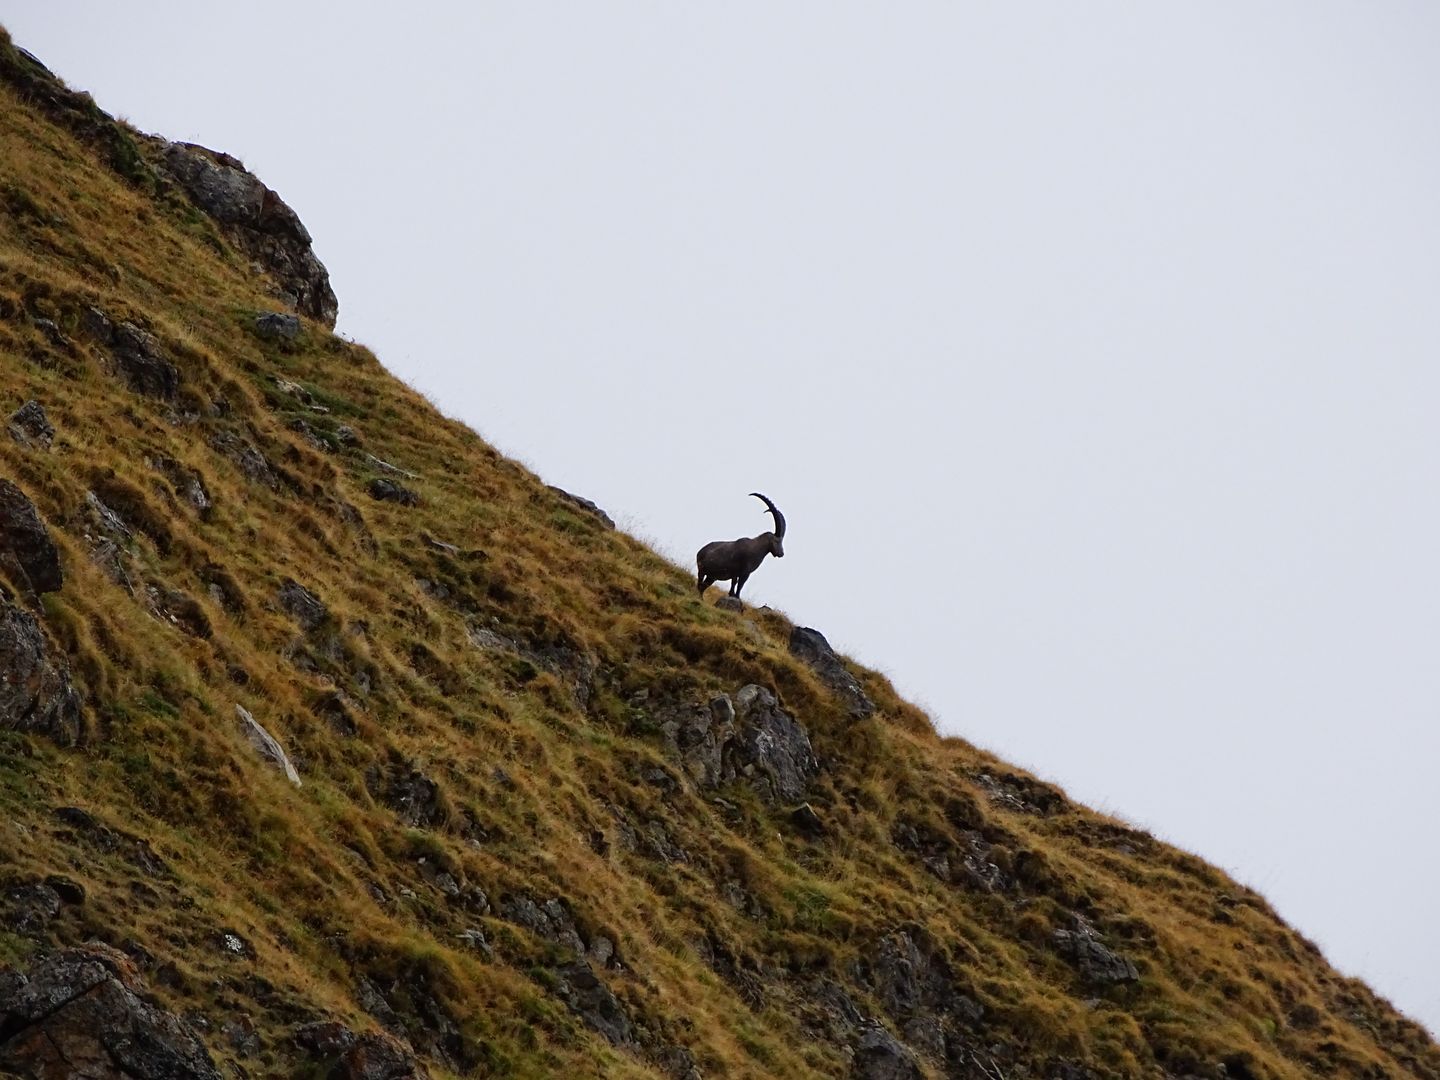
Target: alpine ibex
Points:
(735, 560)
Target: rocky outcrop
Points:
(29, 426)
(26, 549)
(1096, 962)
(81, 1013)
(35, 690)
(748, 738)
(265, 744)
(257, 221)
(593, 1001)
(369, 1056)
(583, 503)
(881, 1056)
(136, 355)
(810, 647)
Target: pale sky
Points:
(1090, 349)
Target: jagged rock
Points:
(881, 1056)
(26, 549)
(416, 799)
(136, 355)
(29, 907)
(566, 662)
(276, 326)
(730, 603)
(247, 457)
(389, 491)
(810, 647)
(188, 483)
(78, 1013)
(302, 605)
(378, 1057)
(266, 744)
(35, 690)
(325, 1038)
(550, 921)
(1022, 794)
(748, 738)
(1095, 961)
(594, 1002)
(29, 425)
(53, 334)
(258, 222)
(584, 504)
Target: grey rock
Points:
(551, 921)
(25, 545)
(79, 1013)
(29, 426)
(247, 457)
(881, 1056)
(275, 326)
(810, 647)
(266, 744)
(325, 1038)
(302, 605)
(389, 491)
(187, 482)
(376, 1056)
(136, 356)
(730, 603)
(584, 504)
(28, 908)
(594, 1002)
(1096, 962)
(258, 222)
(35, 690)
(747, 738)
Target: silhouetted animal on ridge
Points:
(736, 560)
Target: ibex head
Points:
(777, 548)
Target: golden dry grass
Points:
(325, 883)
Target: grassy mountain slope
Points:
(493, 702)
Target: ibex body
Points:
(735, 560)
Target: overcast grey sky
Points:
(1090, 349)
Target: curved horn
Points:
(779, 517)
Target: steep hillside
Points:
(333, 743)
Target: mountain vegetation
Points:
(334, 743)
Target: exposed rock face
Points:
(415, 797)
(584, 504)
(880, 1056)
(594, 1002)
(303, 606)
(137, 356)
(749, 738)
(258, 222)
(25, 545)
(1096, 962)
(371, 1056)
(30, 427)
(810, 647)
(35, 690)
(79, 1013)
(265, 744)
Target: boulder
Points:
(389, 491)
(730, 603)
(258, 222)
(80, 1013)
(277, 326)
(416, 799)
(35, 690)
(247, 458)
(265, 744)
(29, 425)
(136, 355)
(881, 1056)
(25, 545)
(810, 647)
